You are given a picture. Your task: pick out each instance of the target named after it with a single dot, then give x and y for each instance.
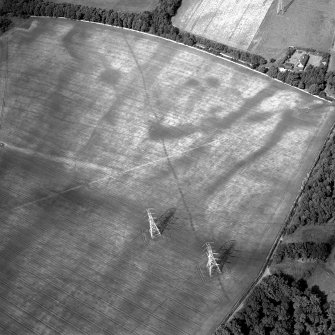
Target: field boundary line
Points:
(259, 28)
(226, 57)
(60, 159)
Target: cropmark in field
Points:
(100, 124)
(234, 23)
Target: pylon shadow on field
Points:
(226, 254)
(288, 5)
(166, 219)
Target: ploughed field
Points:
(99, 124)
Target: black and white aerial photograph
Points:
(167, 167)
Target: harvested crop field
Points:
(230, 22)
(306, 23)
(122, 5)
(99, 124)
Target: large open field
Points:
(306, 23)
(101, 123)
(234, 23)
(122, 5)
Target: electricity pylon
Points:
(153, 229)
(280, 7)
(211, 259)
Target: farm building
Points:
(297, 61)
(303, 61)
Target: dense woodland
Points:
(303, 251)
(314, 79)
(279, 305)
(5, 23)
(316, 205)
(331, 83)
(156, 22)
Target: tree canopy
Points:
(280, 305)
(4, 23)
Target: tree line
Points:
(313, 78)
(316, 205)
(280, 305)
(157, 22)
(5, 23)
(254, 61)
(303, 251)
(331, 82)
